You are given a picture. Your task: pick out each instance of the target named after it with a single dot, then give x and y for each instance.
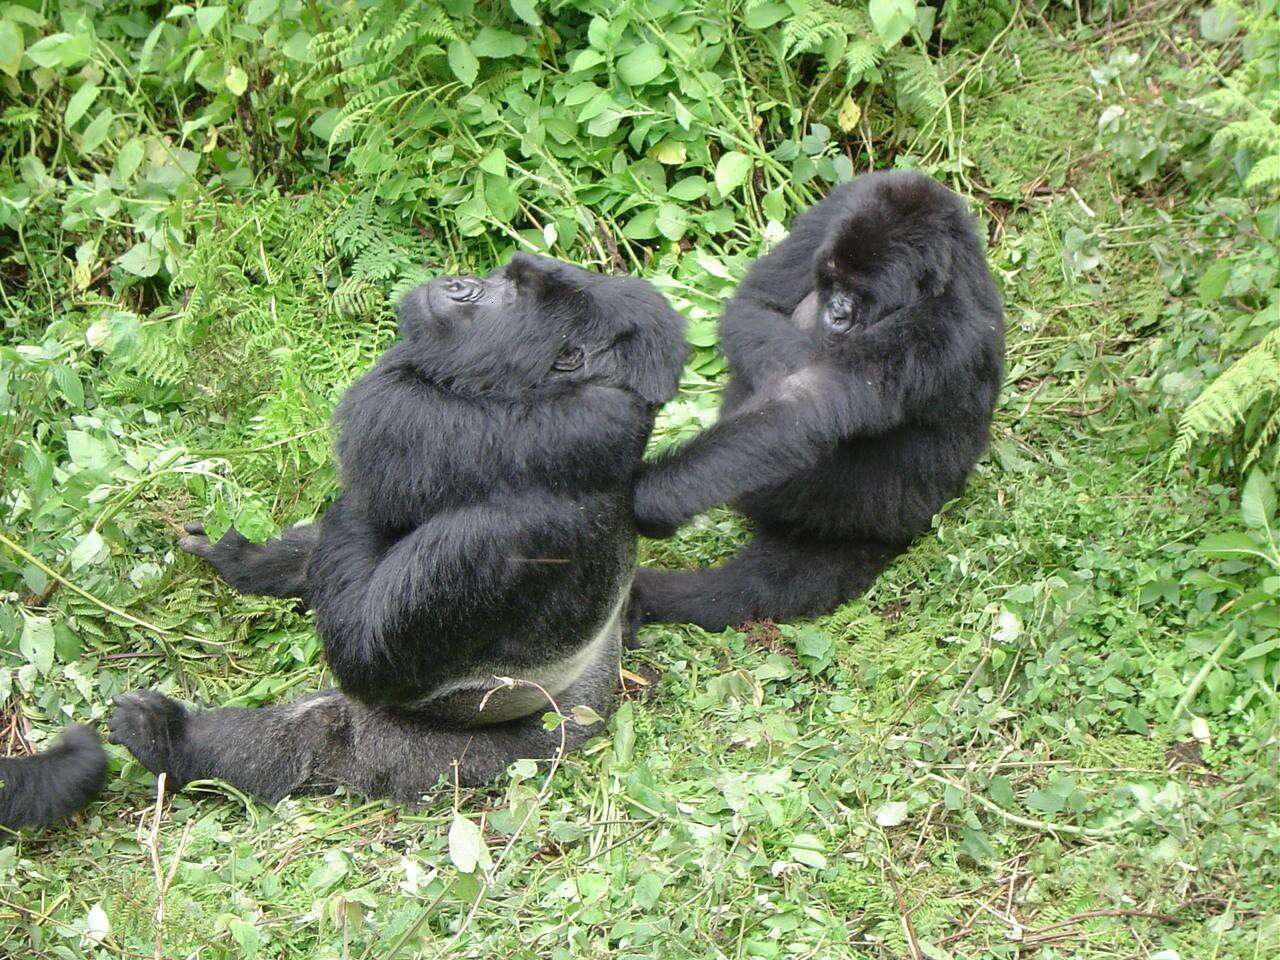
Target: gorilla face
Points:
(539, 325)
(890, 249)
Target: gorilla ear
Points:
(935, 265)
(657, 354)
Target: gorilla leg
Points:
(277, 568)
(770, 579)
(326, 740)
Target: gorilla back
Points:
(865, 358)
(484, 530)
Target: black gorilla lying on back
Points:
(485, 528)
(865, 355)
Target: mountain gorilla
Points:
(37, 790)
(485, 530)
(865, 357)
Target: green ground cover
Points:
(1049, 731)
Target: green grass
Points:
(982, 757)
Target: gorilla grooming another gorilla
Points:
(485, 529)
(865, 357)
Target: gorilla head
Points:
(892, 247)
(540, 326)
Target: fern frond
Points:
(1223, 406)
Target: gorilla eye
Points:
(571, 358)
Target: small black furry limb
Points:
(865, 356)
(35, 791)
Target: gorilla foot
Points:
(151, 727)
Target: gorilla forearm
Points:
(788, 428)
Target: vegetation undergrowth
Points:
(1048, 731)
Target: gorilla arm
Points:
(390, 611)
(792, 424)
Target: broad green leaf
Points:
(669, 152)
(807, 849)
(61, 50)
(732, 171)
(207, 18)
(1226, 545)
(1213, 281)
(463, 62)
(1258, 502)
(526, 10)
(641, 65)
(237, 81)
(11, 47)
(96, 131)
(80, 102)
(129, 158)
(624, 732)
(496, 44)
(494, 162)
(467, 848)
(69, 385)
(142, 260)
(688, 188)
(764, 15)
(87, 451)
(90, 549)
(258, 10)
(36, 642)
(892, 19)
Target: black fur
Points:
(485, 528)
(38, 790)
(866, 356)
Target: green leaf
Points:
(807, 849)
(765, 15)
(258, 10)
(142, 260)
(494, 162)
(80, 102)
(87, 451)
(496, 44)
(467, 848)
(207, 18)
(69, 385)
(892, 19)
(90, 549)
(1230, 545)
(463, 62)
(36, 642)
(96, 131)
(237, 81)
(732, 171)
(11, 46)
(1214, 281)
(641, 65)
(1258, 502)
(527, 10)
(624, 732)
(61, 50)
(129, 158)
(1000, 790)
(690, 188)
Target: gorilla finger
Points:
(195, 526)
(197, 545)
